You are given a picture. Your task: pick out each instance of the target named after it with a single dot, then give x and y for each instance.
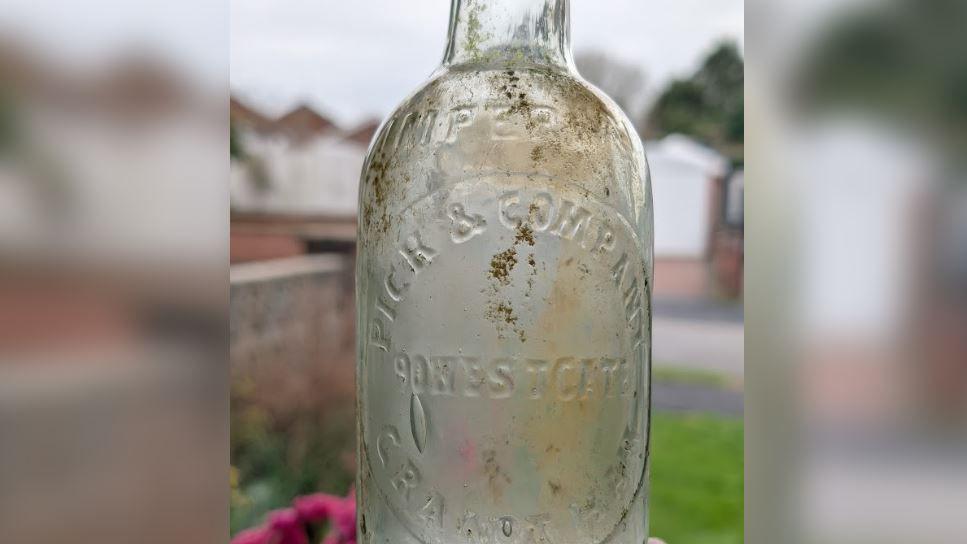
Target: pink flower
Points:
(312, 508)
(257, 535)
(343, 517)
(287, 527)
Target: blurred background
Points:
(857, 273)
(310, 83)
(113, 244)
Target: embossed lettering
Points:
(435, 384)
(475, 376)
(465, 226)
(459, 117)
(541, 211)
(505, 528)
(432, 511)
(390, 435)
(427, 124)
(505, 202)
(377, 335)
(639, 333)
(417, 128)
(608, 368)
(604, 240)
(501, 382)
(567, 389)
(505, 128)
(537, 529)
(442, 375)
(537, 368)
(404, 127)
(419, 374)
(587, 383)
(570, 219)
(627, 384)
(394, 291)
(470, 526)
(632, 297)
(618, 270)
(406, 480)
(566, 379)
(417, 254)
(544, 115)
(385, 308)
(402, 364)
(426, 127)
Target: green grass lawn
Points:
(689, 376)
(696, 479)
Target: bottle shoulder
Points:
(528, 123)
(524, 105)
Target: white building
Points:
(316, 177)
(683, 173)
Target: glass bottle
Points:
(503, 289)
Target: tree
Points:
(681, 108)
(722, 78)
(708, 106)
(906, 63)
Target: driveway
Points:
(715, 345)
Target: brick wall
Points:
(681, 277)
(292, 338)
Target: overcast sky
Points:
(358, 59)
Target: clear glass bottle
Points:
(503, 290)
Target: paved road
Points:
(703, 334)
(698, 309)
(678, 397)
(700, 344)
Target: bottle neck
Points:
(509, 33)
